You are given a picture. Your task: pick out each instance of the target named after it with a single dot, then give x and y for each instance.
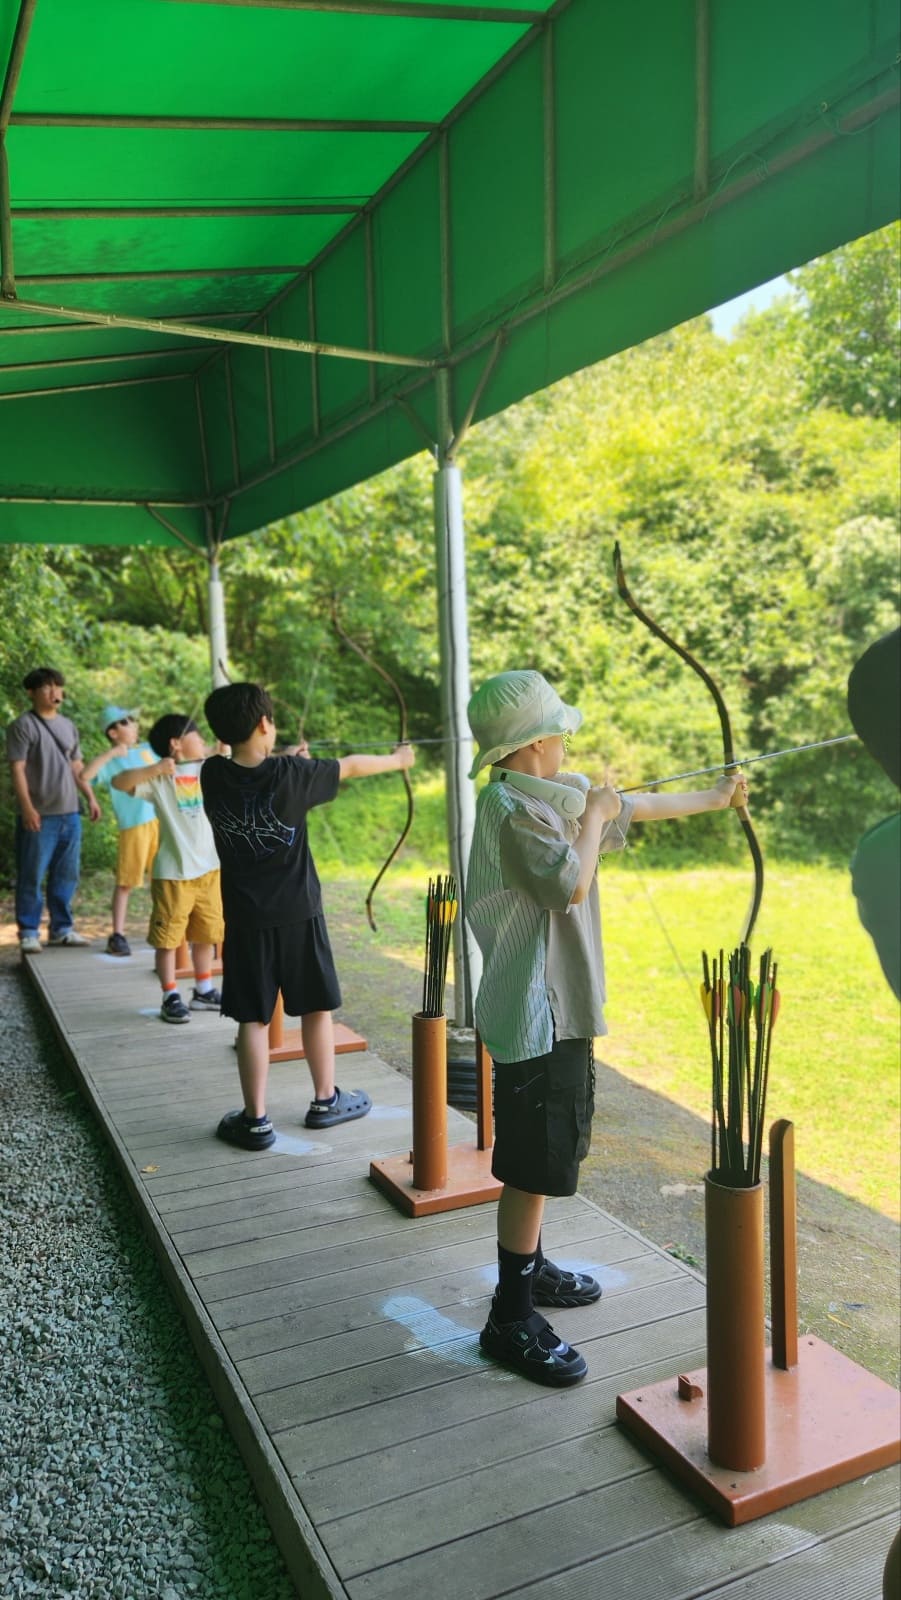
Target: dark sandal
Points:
(235, 1129)
(350, 1104)
(552, 1286)
(532, 1349)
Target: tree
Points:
(851, 308)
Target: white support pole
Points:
(218, 640)
(454, 642)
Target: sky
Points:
(726, 316)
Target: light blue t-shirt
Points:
(130, 812)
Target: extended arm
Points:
(362, 766)
(90, 770)
(128, 780)
(730, 790)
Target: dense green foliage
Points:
(753, 485)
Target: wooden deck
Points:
(339, 1338)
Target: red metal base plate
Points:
(188, 971)
(469, 1182)
(827, 1421)
(291, 1047)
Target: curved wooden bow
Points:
(729, 761)
(395, 688)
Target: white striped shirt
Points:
(543, 959)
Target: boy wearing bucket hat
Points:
(532, 903)
(136, 819)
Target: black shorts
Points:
(257, 962)
(542, 1112)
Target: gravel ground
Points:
(118, 1479)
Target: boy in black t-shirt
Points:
(275, 933)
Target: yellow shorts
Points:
(185, 908)
(137, 848)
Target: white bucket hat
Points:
(513, 708)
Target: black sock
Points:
(540, 1257)
(513, 1297)
(330, 1101)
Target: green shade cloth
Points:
(420, 179)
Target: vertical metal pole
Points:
(370, 304)
(201, 432)
(444, 242)
(7, 96)
(550, 159)
(314, 360)
(216, 609)
(232, 420)
(270, 407)
(702, 99)
(7, 270)
(783, 1246)
(454, 646)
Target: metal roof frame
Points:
(707, 200)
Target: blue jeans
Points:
(53, 853)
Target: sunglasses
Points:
(123, 722)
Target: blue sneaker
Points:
(210, 1000)
(173, 1008)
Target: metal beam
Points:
(7, 96)
(369, 249)
(7, 268)
(541, 19)
(232, 420)
(43, 328)
(477, 393)
(66, 500)
(549, 136)
(649, 236)
(84, 119)
(344, 208)
(201, 434)
(182, 538)
(408, 9)
(444, 245)
(84, 388)
(193, 330)
(270, 401)
(14, 63)
(91, 361)
(702, 99)
(292, 272)
(314, 365)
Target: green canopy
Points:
(474, 198)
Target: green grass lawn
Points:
(835, 1060)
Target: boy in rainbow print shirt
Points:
(186, 900)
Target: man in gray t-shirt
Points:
(45, 760)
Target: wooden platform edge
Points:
(304, 1555)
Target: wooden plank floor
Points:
(340, 1340)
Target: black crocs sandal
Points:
(235, 1129)
(532, 1349)
(551, 1286)
(349, 1105)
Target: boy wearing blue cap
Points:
(136, 819)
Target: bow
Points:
(729, 761)
(394, 686)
